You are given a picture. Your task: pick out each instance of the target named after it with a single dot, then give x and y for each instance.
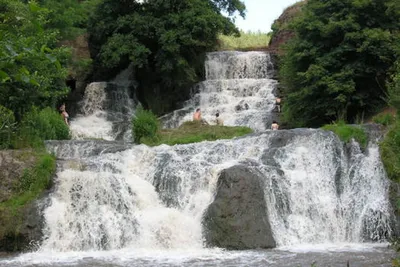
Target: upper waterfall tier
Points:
(106, 109)
(238, 65)
(238, 87)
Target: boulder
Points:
(238, 217)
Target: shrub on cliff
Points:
(7, 127)
(37, 126)
(144, 124)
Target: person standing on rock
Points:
(278, 104)
(64, 114)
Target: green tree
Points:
(31, 66)
(337, 65)
(68, 17)
(166, 40)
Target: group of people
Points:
(219, 121)
(197, 117)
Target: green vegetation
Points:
(144, 124)
(390, 152)
(246, 41)
(37, 126)
(33, 181)
(390, 147)
(347, 132)
(337, 65)
(166, 41)
(34, 67)
(385, 119)
(29, 186)
(192, 132)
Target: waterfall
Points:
(137, 197)
(238, 85)
(112, 195)
(106, 109)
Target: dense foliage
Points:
(166, 40)
(337, 65)
(390, 147)
(31, 69)
(33, 65)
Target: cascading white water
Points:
(106, 110)
(238, 85)
(154, 198)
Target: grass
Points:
(193, 132)
(246, 42)
(31, 184)
(346, 132)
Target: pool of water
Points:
(311, 255)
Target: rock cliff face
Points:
(20, 227)
(237, 219)
(280, 30)
(12, 165)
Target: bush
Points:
(384, 119)
(144, 124)
(347, 132)
(7, 126)
(37, 126)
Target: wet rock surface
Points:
(237, 219)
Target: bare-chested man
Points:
(197, 115)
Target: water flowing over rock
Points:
(107, 109)
(238, 85)
(315, 191)
(238, 216)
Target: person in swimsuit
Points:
(64, 114)
(197, 115)
(278, 104)
(274, 125)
